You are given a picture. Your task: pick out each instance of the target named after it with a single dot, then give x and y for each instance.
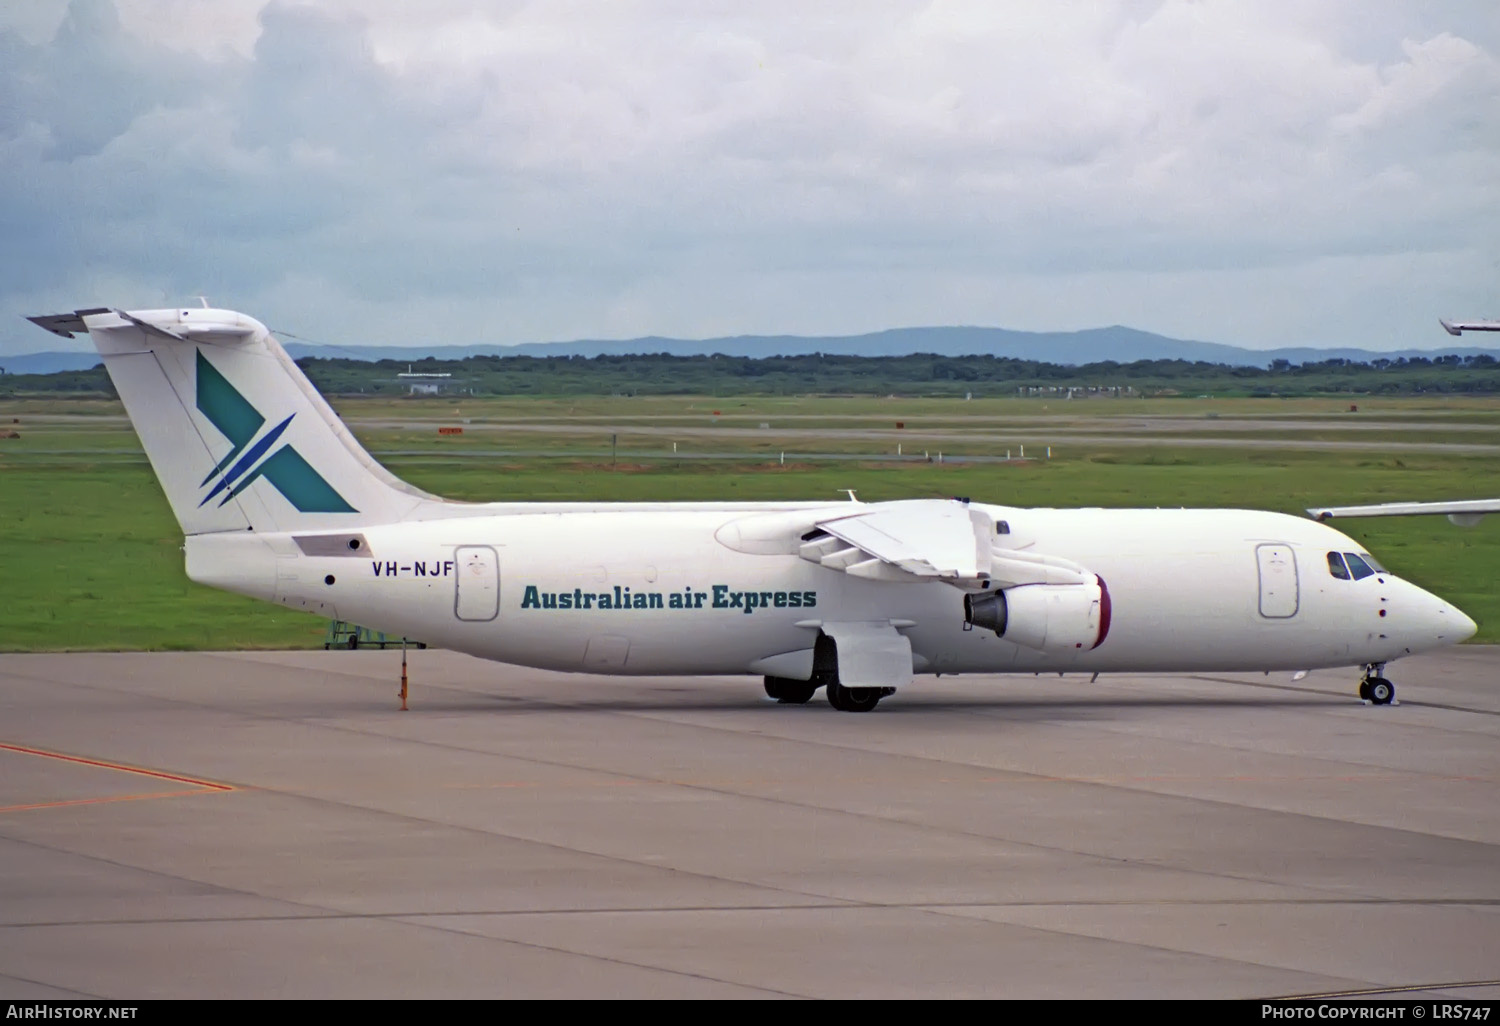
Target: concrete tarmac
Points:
(271, 825)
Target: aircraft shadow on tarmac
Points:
(1017, 708)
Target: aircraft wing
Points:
(930, 539)
(1464, 512)
(924, 538)
(1459, 327)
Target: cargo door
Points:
(1278, 581)
(477, 583)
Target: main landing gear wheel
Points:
(856, 699)
(790, 692)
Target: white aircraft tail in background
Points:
(278, 501)
(1463, 512)
(1459, 327)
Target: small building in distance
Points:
(1077, 391)
(429, 383)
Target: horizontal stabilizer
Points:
(65, 325)
(149, 328)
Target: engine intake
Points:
(1047, 617)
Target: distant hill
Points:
(48, 363)
(1118, 343)
(1121, 344)
(1073, 348)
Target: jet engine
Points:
(1048, 617)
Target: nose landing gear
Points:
(1374, 688)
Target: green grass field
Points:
(92, 557)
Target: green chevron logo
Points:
(241, 423)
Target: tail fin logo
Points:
(241, 423)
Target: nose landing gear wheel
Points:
(1374, 688)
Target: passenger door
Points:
(1277, 566)
(477, 583)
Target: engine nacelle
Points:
(1047, 617)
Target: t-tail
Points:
(235, 432)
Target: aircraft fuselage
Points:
(635, 592)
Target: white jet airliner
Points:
(278, 501)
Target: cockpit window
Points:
(1336, 566)
(1373, 565)
(1358, 567)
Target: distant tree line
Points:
(920, 374)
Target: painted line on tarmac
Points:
(1371, 991)
(1416, 703)
(199, 786)
(850, 905)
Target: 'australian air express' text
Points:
(719, 596)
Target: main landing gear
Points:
(855, 699)
(825, 674)
(791, 692)
(1374, 688)
(799, 692)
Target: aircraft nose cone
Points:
(1421, 621)
(1444, 623)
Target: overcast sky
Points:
(1260, 173)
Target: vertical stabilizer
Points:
(238, 437)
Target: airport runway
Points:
(786, 432)
(1098, 435)
(270, 825)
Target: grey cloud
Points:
(662, 171)
(91, 83)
